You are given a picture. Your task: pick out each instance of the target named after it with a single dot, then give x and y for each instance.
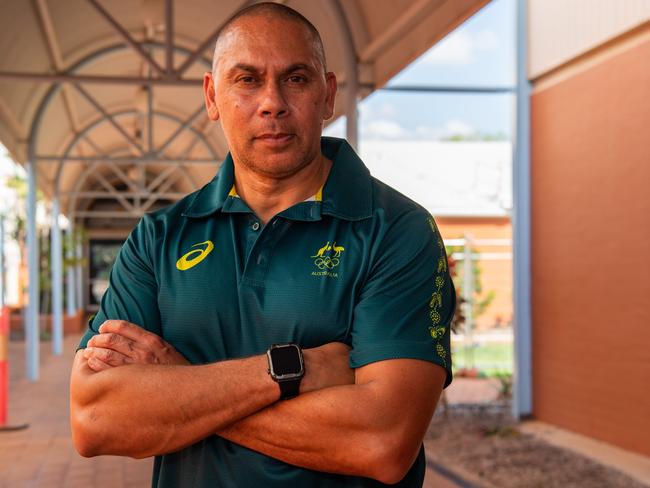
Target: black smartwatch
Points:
(287, 367)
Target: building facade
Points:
(589, 64)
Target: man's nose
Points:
(273, 102)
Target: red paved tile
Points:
(42, 455)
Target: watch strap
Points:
(289, 388)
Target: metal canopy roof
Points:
(107, 100)
(102, 102)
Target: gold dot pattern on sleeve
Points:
(436, 330)
(435, 317)
(441, 352)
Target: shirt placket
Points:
(261, 240)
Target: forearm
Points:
(373, 428)
(344, 429)
(143, 410)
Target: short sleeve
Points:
(407, 304)
(132, 292)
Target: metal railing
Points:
(469, 257)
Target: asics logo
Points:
(195, 256)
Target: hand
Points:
(326, 366)
(119, 343)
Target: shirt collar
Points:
(347, 193)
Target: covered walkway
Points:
(101, 102)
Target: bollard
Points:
(4, 365)
(4, 373)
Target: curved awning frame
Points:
(144, 195)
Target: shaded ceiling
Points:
(117, 98)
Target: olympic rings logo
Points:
(326, 262)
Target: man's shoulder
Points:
(391, 205)
(154, 225)
(174, 210)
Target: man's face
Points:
(271, 95)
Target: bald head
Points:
(270, 11)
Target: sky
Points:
(481, 52)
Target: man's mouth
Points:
(275, 136)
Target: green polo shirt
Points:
(359, 263)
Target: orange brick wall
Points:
(591, 250)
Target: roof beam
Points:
(160, 178)
(182, 167)
(110, 119)
(108, 196)
(411, 16)
(180, 129)
(189, 176)
(193, 83)
(169, 36)
(162, 189)
(122, 175)
(108, 214)
(127, 37)
(124, 160)
(113, 191)
(54, 49)
(48, 31)
(458, 89)
(149, 118)
(92, 144)
(211, 39)
(66, 77)
(13, 124)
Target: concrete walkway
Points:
(42, 455)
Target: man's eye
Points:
(297, 79)
(247, 79)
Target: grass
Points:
(490, 359)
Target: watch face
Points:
(285, 361)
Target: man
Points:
(287, 324)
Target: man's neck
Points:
(268, 196)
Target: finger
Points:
(98, 365)
(108, 356)
(124, 328)
(142, 339)
(111, 340)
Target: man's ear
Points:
(209, 95)
(331, 86)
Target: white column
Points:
(468, 296)
(32, 312)
(78, 246)
(350, 68)
(57, 280)
(351, 113)
(70, 289)
(522, 404)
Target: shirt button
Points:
(256, 226)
